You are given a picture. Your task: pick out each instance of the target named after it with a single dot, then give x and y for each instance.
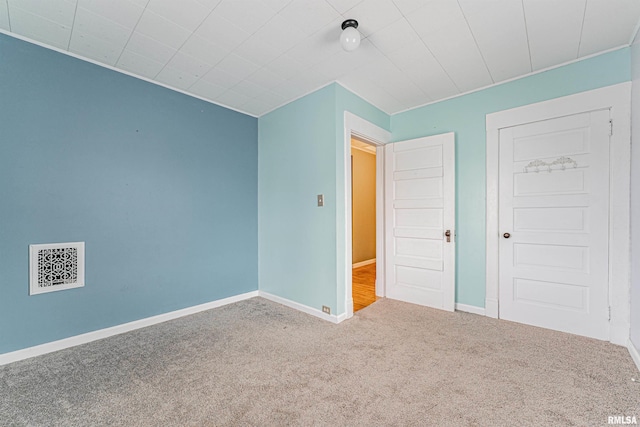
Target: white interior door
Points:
(419, 211)
(554, 224)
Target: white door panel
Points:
(556, 219)
(553, 202)
(547, 184)
(419, 208)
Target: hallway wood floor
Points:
(364, 286)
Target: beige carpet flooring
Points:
(257, 363)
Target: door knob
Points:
(506, 235)
(448, 235)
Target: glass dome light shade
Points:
(350, 39)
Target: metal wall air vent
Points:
(55, 267)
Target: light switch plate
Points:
(320, 200)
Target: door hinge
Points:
(610, 127)
(609, 312)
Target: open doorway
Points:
(374, 136)
(363, 223)
(415, 217)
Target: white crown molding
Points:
(533, 73)
(120, 70)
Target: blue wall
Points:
(297, 239)
(167, 191)
(301, 155)
(300, 252)
(162, 187)
(465, 115)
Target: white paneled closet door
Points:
(554, 224)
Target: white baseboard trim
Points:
(470, 309)
(50, 347)
(303, 308)
(363, 263)
(635, 353)
(349, 309)
(491, 308)
(618, 331)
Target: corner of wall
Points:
(635, 353)
(635, 197)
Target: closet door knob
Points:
(506, 235)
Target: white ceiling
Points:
(255, 55)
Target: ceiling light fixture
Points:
(350, 37)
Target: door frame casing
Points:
(617, 99)
(378, 137)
